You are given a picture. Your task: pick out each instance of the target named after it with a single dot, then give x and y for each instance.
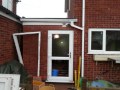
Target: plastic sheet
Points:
(14, 67)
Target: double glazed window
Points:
(104, 41)
(8, 4)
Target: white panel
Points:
(2, 85)
(106, 57)
(15, 81)
(5, 83)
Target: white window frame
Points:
(8, 4)
(103, 51)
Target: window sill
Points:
(104, 53)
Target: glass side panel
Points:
(60, 68)
(112, 40)
(97, 40)
(60, 45)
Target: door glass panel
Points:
(60, 45)
(60, 68)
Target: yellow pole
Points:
(75, 78)
(79, 70)
(78, 81)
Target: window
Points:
(97, 39)
(8, 4)
(104, 41)
(112, 40)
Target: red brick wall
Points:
(30, 48)
(106, 15)
(14, 6)
(7, 48)
(99, 14)
(76, 11)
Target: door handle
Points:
(70, 55)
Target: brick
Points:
(99, 14)
(29, 48)
(7, 47)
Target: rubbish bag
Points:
(14, 67)
(101, 84)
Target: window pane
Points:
(10, 3)
(60, 45)
(4, 3)
(97, 40)
(113, 40)
(7, 4)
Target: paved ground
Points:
(62, 86)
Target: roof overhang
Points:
(47, 21)
(8, 14)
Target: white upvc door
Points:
(60, 56)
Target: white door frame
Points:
(18, 47)
(50, 78)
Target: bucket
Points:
(54, 72)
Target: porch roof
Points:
(47, 21)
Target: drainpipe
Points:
(83, 34)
